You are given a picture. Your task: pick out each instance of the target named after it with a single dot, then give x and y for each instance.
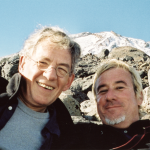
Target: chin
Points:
(43, 102)
(115, 120)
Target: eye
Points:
(102, 91)
(120, 87)
(43, 64)
(62, 70)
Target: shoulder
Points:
(62, 115)
(87, 129)
(87, 136)
(61, 110)
(87, 125)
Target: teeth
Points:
(45, 86)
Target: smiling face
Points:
(44, 87)
(116, 100)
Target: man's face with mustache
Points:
(116, 98)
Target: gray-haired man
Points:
(31, 115)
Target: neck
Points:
(32, 106)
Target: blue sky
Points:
(19, 18)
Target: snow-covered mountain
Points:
(95, 42)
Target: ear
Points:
(140, 99)
(70, 80)
(21, 64)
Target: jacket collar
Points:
(14, 84)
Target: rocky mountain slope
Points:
(95, 49)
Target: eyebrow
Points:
(121, 81)
(100, 86)
(44, 58)
(117, 82)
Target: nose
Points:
(110, 95)
(50, 73)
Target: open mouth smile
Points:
(45, 86)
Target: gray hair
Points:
(56, 36)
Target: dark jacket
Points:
(95, 137)
(60, 123)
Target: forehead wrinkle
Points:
(120, 81)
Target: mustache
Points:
(113, 104)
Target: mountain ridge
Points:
(95, 42)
